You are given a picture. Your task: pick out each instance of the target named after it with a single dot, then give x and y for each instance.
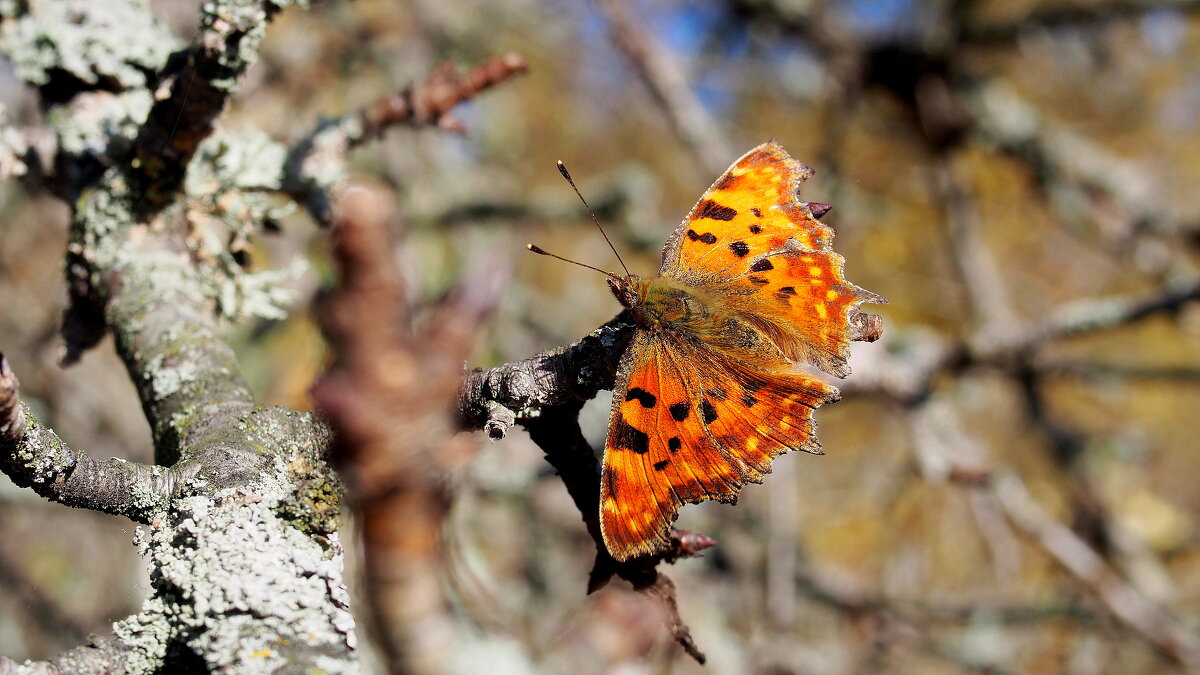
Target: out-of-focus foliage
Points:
(1069, 129)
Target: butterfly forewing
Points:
(750, 210)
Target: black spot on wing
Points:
(680, 410)
(710, 413)
(748, 400)
(755, 229)
(762, 266)
(644, 397)
(718, 393)
(739, 248)
(790, 290)
(711, 209)
(674, 443)
(757, 213)
(707, 237)
(757, 280)
(659, 466)
(727, 181)
(631, 438)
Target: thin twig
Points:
(1127, 604)
(664, 77)
(432, 103)
(315, 166)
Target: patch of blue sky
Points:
(694, 32)
(1163, 31)
(880, 18)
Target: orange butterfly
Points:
(713, 386)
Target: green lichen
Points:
(230, 191)
(226, 19)
(101, 211)
(259, 294)
(116, 42)
(314, 505)
(148, 634)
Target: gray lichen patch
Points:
(100, 125)
(116, 42)
(242, 590)
(166, 379)
(230, 190)
(144, 496)
(148, 635)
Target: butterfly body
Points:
(664, 304)
(716, 382)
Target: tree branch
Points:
(316, 163)
(33, 456)
(201, 80)
(1127, 604)
(101, 656)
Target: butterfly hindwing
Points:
(758, 416)
(685, 428)
(657, 455)
(801, 300)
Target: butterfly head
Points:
(627, 289)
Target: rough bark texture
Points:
(240, 506)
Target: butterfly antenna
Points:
(563, 170)
(540, 251)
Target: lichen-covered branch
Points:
(101, 656)
(241, 507)
(37, 458)
(164, 325)
(201, 80)
(562, 375)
